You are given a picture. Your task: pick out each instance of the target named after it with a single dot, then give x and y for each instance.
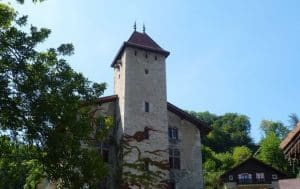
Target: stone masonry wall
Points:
(141, 78)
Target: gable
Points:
(253, 166)
(204, 129)
(140, 41)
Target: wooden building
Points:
(252, 174)
(291, 145)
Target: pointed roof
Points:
(252, 160)
(141, 41)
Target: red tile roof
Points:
(140, 41)
(143, 39)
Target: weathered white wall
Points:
(134, 88)
(190, 174)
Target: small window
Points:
(274, 177)
(174, 158)
(105, 152)
(105, 155)
(155, 57)
(135, 53)
(146, 71)
(260, 177)
(146, 133)
(146, 55)
(146, 166)
(230, 177)
(147, 107)
(245, 178)
(173, 133)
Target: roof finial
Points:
(134, 26)
(144, 28)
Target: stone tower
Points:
(140, 83)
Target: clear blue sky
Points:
(226, 56)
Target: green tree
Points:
(228, 131)
(294, 120)
(41, 104)
(206, 117)
(271, 154)
(277, 128)
(215, 164)
(225, 146)
(18, 165)
(241, 153)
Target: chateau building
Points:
(153, 143)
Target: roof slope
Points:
(143, 39)
(140, 41)
(257, 161)
(184, 115)
(290, 137)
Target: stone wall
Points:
(190, 174)
(139, 78)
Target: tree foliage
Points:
(241, 153)
(270, 152)
(293, 120)
(228, 131)
(41, 106)
(276, 128)
(226, 145)
(18, 165)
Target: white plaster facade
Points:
(141, 133)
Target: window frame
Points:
(260, 177)
(174, 158)
(146, 166)
(245, 178)
(147, 107)
(146, 133)
(146, 71)
(173, 133)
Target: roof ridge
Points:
(142, 41)
(251, 157)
